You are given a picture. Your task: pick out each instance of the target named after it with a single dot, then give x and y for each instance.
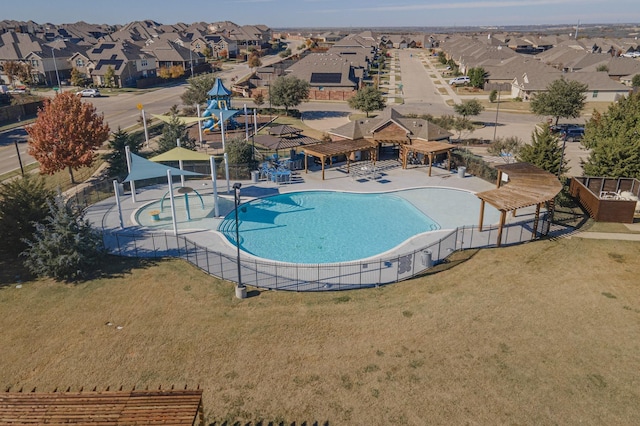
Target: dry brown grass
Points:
(542, 333)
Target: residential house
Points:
(170, 54)
(600, 88)
(128, 61)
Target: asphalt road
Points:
(121, 110)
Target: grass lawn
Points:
(541, 333)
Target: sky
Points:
(329, 13)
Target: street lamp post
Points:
(241, 290)
(55, 66)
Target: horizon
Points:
(330, 14)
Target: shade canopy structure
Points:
(276, 143)
(142, 168)
(343, 147)
(180, 154)
(284, 130)
(527, 185)
(183, 120)
(428, 148)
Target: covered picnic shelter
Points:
(326, 150)
(527, 185)
(429, 148)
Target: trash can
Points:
(427, 260)
(461, 171)
(255, 176)
(121, 189)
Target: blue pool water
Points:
(325, 226)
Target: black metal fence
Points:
(275, 275)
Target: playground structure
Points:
(218, 109)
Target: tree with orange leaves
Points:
(66, 133)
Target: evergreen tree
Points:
(77, 79)
(172, 131)
(367, 99)
(614, 140)
(544, 152)
(238, 151)
(23, 202)
(64, 246)
(117, 157)
(476, 77)
(110, 77)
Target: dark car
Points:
(559, 128)
(572, 134)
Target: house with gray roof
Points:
(326, 71)
(600, 88)
(128, 61)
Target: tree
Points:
(117, 156)
(289, 91)
(25, 74)
(477, 76)
(23, 202)
(64, 246)
(602, 68)
(196, 91)
(562, 99)
(207, 52)
(258, 99)
(109, 77)
(471, 107)
(66, 133)
(462, 124)
(11, 69)
(635, 81)
(493, 96)
(544, 152)
(77, 79)
(505, 148)
(614, 140)
(238, 151)
(254, 60)
(367, 99)
(172, 131)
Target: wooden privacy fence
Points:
(602, 197)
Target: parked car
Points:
(559, 128)
(459, 80)
(573, 134)
(89, 93)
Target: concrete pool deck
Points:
(389, 177)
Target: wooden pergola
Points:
(429, 148)
(527, 186)
(342, 147)
(171, 407)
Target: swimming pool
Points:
(328, 227)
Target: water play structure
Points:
(219, 109)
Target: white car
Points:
(89, 93)
(459, 80)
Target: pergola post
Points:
(535, 222)
(503, 216)
(322, 162)
(499, 179)
(481, 215)
(449, 160)
(306, 162)
(430, 162)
